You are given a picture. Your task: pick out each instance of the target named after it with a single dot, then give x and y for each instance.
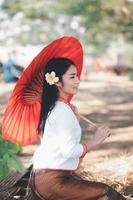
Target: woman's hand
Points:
(102, 133)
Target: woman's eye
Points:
(72, 77)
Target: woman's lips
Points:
(75, 88)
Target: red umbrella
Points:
(22, 114)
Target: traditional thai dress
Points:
(58, 157)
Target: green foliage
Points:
(103, 20)
(8, 157)
(32, 9)
(13, 6)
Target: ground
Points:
(102, 98)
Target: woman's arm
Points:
(101, 134)
(67, 134)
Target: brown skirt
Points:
(67, 185)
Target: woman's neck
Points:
(63, 97)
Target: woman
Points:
(44, 92)
(60, 151)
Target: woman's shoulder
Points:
(61, 107)
(60, 111)
(62, 114)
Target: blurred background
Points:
(105, 29)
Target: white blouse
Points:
(60, 146)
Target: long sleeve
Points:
(69, 133)
(60, 146)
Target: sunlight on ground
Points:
(122, 106)
(122, 118)
(103, 98)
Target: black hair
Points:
(50, 93)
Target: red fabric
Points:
(85, 150)
(21, 117)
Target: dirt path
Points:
(106, 99)
(102, 99)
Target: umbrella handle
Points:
(87, 120)
(90, 122)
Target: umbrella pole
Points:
(87, 120)
(93, 125)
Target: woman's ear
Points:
(58, 84)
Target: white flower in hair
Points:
(51, 78)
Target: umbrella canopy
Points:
(21, 118)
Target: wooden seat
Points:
(14, 186)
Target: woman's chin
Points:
(74, 92)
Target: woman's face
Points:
(70, 82)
